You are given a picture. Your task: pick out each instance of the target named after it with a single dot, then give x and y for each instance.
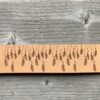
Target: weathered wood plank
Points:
(50, 21)
(41, 18)
(70, 87)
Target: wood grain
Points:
(36, 17)
(50, 21)
(59, 87)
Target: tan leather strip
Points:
(50, 58)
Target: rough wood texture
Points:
(43, 19)
(50, 21)
(64, 87)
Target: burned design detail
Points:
(67, 56)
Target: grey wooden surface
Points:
(47, 87)
(49, 21)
